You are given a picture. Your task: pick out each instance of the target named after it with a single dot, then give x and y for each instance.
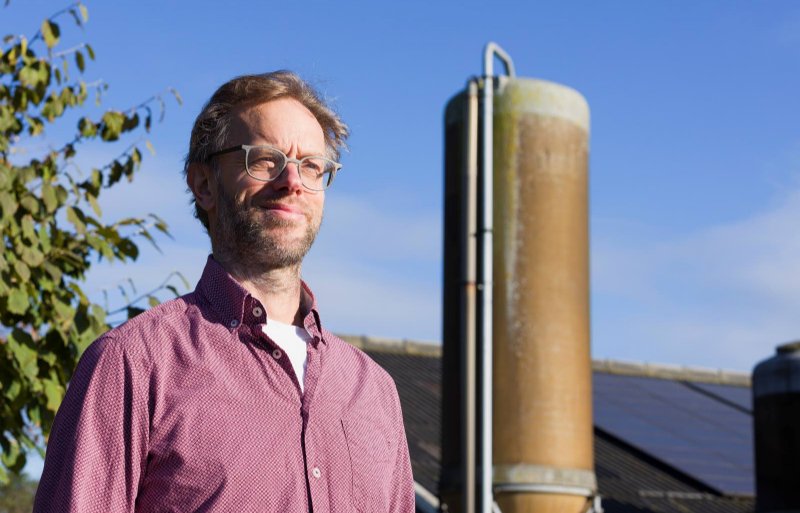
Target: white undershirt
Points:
(293, 340)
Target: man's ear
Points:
(201, 181)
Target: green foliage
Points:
(52, 228)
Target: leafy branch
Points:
(53, 230)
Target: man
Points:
(234, 397)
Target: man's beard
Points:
(250, 238)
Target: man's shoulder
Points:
(160, 317)
(169, 320)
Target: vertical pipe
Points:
(470, 228)
(486, 295)
(460, 430)
(486, 288)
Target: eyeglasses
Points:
(265, 164)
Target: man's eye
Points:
(262, 164)
(313, 166)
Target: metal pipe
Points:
(486, 226)
(470, 220)
(493, 49)
(486, 291)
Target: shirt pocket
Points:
(372, 452)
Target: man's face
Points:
(268, 224)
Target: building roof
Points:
(667, 439)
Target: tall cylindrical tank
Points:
(776, 416)
(542, 428)
(543, 436)
(452, 478)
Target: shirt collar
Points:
(235, 306)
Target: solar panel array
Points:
(691, 431)
(740, 396)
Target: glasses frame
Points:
(287, 161)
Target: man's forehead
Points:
(275, 117)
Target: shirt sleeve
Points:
(98, 444)
(402, 486)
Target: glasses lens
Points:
(317, 172)
(264, 163)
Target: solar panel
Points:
(738, 395)
(686, 429)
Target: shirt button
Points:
(276, 353)
(257, 311)
(234, 323)
(316, 472)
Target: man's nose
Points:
(289, 178)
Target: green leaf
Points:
(22, 270)
(32, 256)
(30, 203)
(76, 217)
(50, 33)
(10, 458)
(18, 301)
(8, 204)
(35, 415)
(44, 238)
(95, 205)
(89, 51)
(13, 390)
(98, 315)
(84, 13)
(49, 198)
(28, 228)
(80, 62)
(53, 271)
(54, 393)
(29, 76)
(112, 125)
(160, 224)
(64, 312)
(20, 343)
(87, 128)
(153, 301)
(61, 194)
(128, 248)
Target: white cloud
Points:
(722, 296)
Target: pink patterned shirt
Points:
(189, 407)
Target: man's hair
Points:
(210, 130)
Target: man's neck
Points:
(279, 290)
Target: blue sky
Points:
(695, 151)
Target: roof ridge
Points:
(433, 349)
